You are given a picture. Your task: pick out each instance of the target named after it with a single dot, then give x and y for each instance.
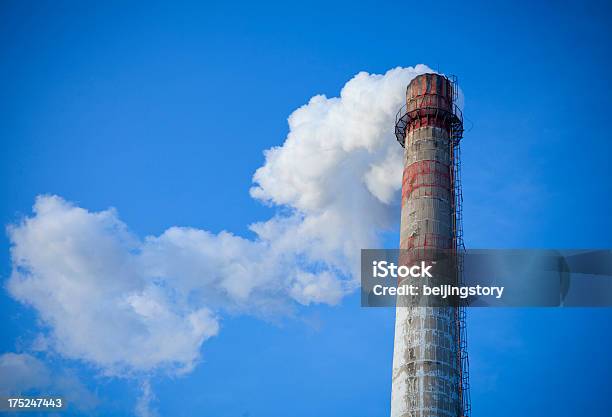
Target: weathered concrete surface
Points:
(425, 368)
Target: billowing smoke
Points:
(131, 306)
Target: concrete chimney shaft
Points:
(426, 377)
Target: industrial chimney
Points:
(430, 360)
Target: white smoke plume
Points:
(131, 306)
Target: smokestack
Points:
(429, 378)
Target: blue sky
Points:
(163, 112)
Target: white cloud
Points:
(22, 373)
(131, 306)
(82, 273)
(316, 288)
(144, 404)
